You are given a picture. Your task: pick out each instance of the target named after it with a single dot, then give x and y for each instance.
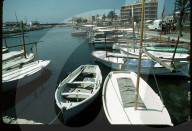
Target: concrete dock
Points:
(9, 120)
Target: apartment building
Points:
(136, 8)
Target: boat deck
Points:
(119, 107)
(83, 93)
(127, 92)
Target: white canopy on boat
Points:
(89, 25)
(128, 29)
(106, 30)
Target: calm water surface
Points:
(36, 100)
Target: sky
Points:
(56, 11)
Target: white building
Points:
(32, 23)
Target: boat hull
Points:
(75, 92)
(120, 110)
(7, 86)
(162, 55)
(68, 114)
(145, 70)
(21, 80)
(79, 33)
(98, 44)
(17, 61)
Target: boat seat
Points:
(76, 95)
(81, 92)
(82, 82)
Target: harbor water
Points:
(36, 100)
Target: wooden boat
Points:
(118, 98)
(78, 90)
(118, 46)
(83, 30)
(23, 74)
(13, 61)
(12, 54)
(79, 33)
(125, 103)
(158, 54)
(118, 61)
(128, 44)
(4, 50)
(167, 49)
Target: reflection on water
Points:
(15, 95)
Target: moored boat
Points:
(16, 60)
(118, 97)
(4, 50)
(159, 54)
(12, 54)
(78, 90)
(23, 74)
(118, 61)
(167, 49)
(79, 32)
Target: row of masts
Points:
(161, 62)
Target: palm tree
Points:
(104, 17)
(111, 15)
(181, 6)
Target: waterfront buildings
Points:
(136, 8)
(12, 24)
(186, 17)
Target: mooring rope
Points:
(161, 97)
(157, 85)
(181, 70)
(55, 118)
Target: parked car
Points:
(156, 25)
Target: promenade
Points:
(173, 36)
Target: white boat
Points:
(12, 54)
(22, 75)
(78, 90)
(118, 61)
(158, 54)
(118, 97)
(79, 33)
(15, 60)
(128, 99)
(4, 50)
(103, 44)
(117, 46)
(83, 30)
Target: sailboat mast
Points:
(162, 23)
(105, 44)
(23, 40)
(133, 31)
(139, 61)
